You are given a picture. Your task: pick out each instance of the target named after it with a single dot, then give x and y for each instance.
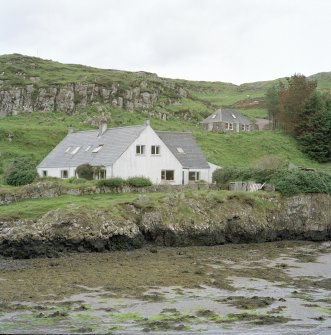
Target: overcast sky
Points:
(216, 40)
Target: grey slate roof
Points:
(115, 141)
(227, 115)
(192, 156)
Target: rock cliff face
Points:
(70, 98)
(177, 220)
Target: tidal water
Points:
(269, 288)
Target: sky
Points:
(233, 41)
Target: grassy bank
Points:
(35, 208)
(36, 134)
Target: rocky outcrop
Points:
(70, 98)
(176, 220)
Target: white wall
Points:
(147, 165)
(213, 167)
(56, 172)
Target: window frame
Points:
(141, 151)
(157, 150)
(44, 173)
(230, 126)
(164, 174)
(76, 149)
(196, 175)
(63, 173)
(97, 149)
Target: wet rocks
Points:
(176, 220)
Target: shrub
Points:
(22, 171)
(111, 182)
(297, 181)
(139, 182)
(85, 171)
(226, 175)
(271, 162)
(74, 180)
(287, 182)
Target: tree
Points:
(22, 171)
(85, 171)
(286, 102)
(315, 135)
(304, 113)
(272, 102)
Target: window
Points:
(68, 149)
(100, 174)
(193, 175)
(88, 148)
(75, 150)
(64, 174)
(155, 149)
(247, 127)
(44, 173)
(243, 127)
(213, 117)
(231, 126)
(233, 116)
(168, 175)
(226, 125)
(140, 150)
(180, 150)
(98, 148)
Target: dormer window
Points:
(234, 116)
(213, 117)
(180, 150)
(98, 148)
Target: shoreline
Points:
(183, 219)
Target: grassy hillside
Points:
(35, 134)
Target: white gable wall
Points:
(130, 164)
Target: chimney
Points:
(102, 127)
(146, 123)
(70, 130)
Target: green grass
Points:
(36, 134)
(35, 208)
(254, 113)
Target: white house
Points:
(163, 157)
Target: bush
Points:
(287, 182)
(226, 175)
(297, 181)
(74, 180)
(21, 172)
(85, 171)
(139, 182)
(111, 182)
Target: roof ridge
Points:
(177, 132)
(90, 130)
